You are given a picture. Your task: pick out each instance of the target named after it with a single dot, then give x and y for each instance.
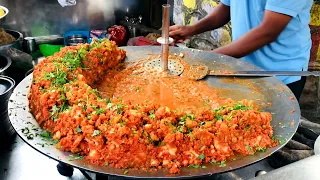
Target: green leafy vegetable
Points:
(49, 76)
(184, 118)
(73, 60)
(25, 130)
(95, 92)
(63, 97)
(119, 108)
(54, 110)
(219, 109)
(76, 157)
(78, 129)
(55, 141)
(100, 111)
(218, 117)
(64, 107)
(61, 78)
(112, 131)
(181, 129)
(109, 106)
(280, 139)
(222, 164)
(152, 116)
(96, 133)
(239, 106)
(261, 149)
(213, 161)
(161, 144)
(229, 117)
(249, 148)
(46, 134)
(190, 116)
(107, 101)
(194, 166)
(201, 156)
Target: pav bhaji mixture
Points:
(119, 115)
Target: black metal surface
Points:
(65, 170)
(5, 63)
(265, 91)
(6, 84)
(6, 88)
(304, 169)
(86, 175)
(21, 63)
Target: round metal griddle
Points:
(285, 109)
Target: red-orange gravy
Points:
(156, 87)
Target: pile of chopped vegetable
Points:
(131, 127)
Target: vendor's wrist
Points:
(192, 30)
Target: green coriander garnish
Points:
(78, 129)
(249, 148)
(96, 133)
(222, 164)
(46, 134)
(201, 156)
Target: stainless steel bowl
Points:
(17, 44)
(76, 39)
(6, 12)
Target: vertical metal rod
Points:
(165, 36)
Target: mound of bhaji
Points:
(120, 134)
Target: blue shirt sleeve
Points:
(226, 2)
(287, 7)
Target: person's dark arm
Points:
(219, 17)
(272, 25)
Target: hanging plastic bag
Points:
(65, 3)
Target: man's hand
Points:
(180, 33)
(272, 25)
(217, 18)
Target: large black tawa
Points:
(270, 93)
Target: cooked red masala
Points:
(120, 115)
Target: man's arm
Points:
(272, 25)
(219, 17)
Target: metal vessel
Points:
(5, 63)
(17, 44)
(272, 95)
(6, 88)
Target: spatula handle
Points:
(265, 73)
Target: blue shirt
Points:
(291, 50)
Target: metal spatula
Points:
(198, 72)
